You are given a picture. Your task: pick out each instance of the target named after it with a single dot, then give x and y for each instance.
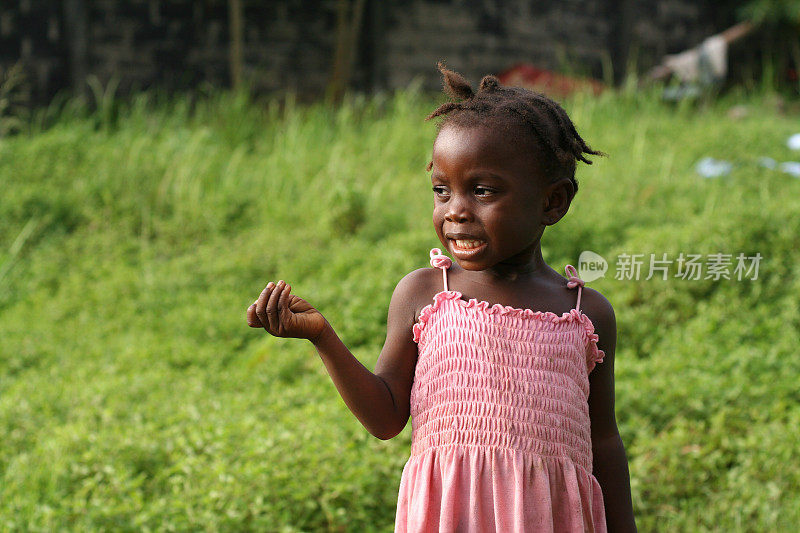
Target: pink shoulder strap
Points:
(438, 260)
(574, 281)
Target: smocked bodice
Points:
(502, 377)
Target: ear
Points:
(558, 197)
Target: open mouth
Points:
(466, 248)
(467, 244)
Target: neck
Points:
(527, 263)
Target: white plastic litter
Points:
(793, 142)
(709, 60)
(708, 167)
(791, 167)
(767, 162)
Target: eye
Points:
(440, 190)
(483, 191)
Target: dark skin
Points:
(492, 203)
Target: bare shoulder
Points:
(601, 313)
(417, 288)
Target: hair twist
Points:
(497, 105)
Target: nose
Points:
(458, 211)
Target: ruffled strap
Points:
(438, 260)
(594, 354)
(574, 281)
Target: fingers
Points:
(252, 316)
(273, 314)
(272, 308)
(252, 319)
(283, 302)
(283, 306)
(261, 305)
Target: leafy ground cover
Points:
(133, 396)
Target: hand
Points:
(285, 315)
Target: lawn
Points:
(134, 397)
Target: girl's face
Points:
(491, 202)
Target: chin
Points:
(469, 265)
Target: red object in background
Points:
(546, 81)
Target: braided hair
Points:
(505, 108)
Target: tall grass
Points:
(134, 397)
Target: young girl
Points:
(506, 370)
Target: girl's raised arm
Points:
(380, 401)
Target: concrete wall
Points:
(289, 44)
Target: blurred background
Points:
(311, 47)
(161, 161)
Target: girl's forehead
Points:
(486, 142)
(495, 135)
(461, 152)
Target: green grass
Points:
(134, 397)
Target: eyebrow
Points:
(480, 174)
(486, 174)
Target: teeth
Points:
(467, 244)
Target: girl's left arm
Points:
(610, 465)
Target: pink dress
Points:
(500, 419)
